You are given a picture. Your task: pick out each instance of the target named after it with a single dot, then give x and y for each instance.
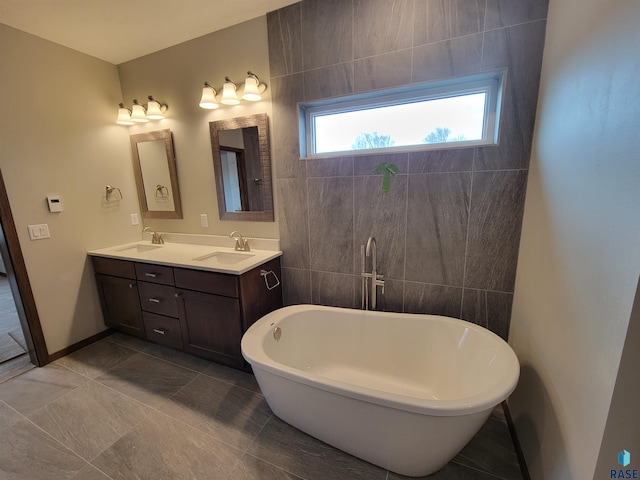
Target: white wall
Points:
(580, 251)
(58, 136)
(621, 431)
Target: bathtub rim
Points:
(255, 355)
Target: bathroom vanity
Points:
(195, 298)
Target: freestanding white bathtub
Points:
(404, 392)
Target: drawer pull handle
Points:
(159, 330)
(152, 275)
(154, 300)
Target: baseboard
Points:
(516, 442)
(77, 346)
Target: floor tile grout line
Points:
(124, 395)
(279, 467)
(191, 427)
(60, 396)
(157, 408)
(98, 469)
(66, 367)
(168, 399)
(253, 393)
(246, 452)
(275, 466)
(258, 434)
(150, 354)
(10, 407)
(112, 443)
(497, 477)
(199, 372)
(102, 372)
(170, 362)
(28, 420)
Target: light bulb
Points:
(229, 95)
(251, 89)
(155, 110)
(208, 99)
(124, 116)
(138, 114)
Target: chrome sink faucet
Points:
(156, 237)
(242, 244)
(370, 294)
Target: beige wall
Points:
(175, 76)
(579, 257)
(58, 136)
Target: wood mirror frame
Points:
(174, 192)
(260, 121)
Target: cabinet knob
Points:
(177, 294)
(159, 330)
(131, 285)
(152, 275)
(154, 300)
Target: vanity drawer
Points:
(116, 268)
(207, 282)
(158, 299)
(154, 273)
(162, 330)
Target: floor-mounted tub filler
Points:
(404, 392)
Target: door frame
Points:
(19, 282)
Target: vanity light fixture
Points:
(155, 110)
(229, 94)
(208, 100)
(251, 90)
(124, 116)
(138, 113)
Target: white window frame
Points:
(491, 83)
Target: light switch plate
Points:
(134, 219)
(204, 220)
(39, 232)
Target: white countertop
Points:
(211, 258)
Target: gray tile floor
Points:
(122, 408)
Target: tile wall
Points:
(448, 231)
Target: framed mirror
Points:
(242, 167)
(154, 166)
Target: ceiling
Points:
(121, 30)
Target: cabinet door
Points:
(211, 326)
(120, 304)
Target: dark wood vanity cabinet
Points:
(118, 291)
(211, 326)
(201, 312)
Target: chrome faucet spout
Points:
(156, 237)
(242, 244)
(371, 251)
(370, 293)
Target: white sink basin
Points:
(224, 258)
(137, 248)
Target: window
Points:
(455, 113)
